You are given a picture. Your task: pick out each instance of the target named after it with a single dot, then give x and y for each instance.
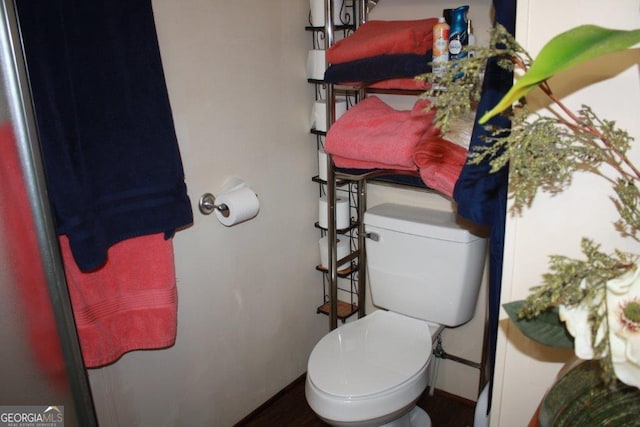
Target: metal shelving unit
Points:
(341, 288)
(348, 283)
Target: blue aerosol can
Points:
(458, 36)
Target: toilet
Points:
(425, 272)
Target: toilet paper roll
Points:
(342, 249)
(242, 202)
(322, 164)
(320, 113)
(343, 219)
(317, 12)
(316, 64)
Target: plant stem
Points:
(579, 126)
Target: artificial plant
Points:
(595, 299)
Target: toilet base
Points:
(417, 417)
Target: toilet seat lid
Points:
(371, 355)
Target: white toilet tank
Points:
(422, 264)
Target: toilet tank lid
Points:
(418, 221)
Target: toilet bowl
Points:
(425, 272)
(371, 372)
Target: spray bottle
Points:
(458, 37)
(440, 47)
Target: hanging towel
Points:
(481, 195)
(111, 156)
(128, 304)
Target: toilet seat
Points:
(373, 367)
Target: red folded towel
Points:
(128, 304)
(405, 84)
(343, 162)
(372, 131)
(375, 38)
(401, 83)
(440, 163)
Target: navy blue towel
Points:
(382, 67)
(482, 195)
(111, 155)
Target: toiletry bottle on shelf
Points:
(458, 35)
(471, 39)
(440, 47)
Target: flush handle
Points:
(373, 236)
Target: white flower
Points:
(576, 320)
(623, 309)
(623, 303)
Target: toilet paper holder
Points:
(207, 205)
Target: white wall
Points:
(247, 294)
(555, 225)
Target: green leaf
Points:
(546, 329)
(564, 51)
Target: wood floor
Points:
(290, 408)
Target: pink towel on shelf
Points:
(372, 131)
(128, 304)
(400, 83)
(375, 38)
(403, 83)
(343, 162)
(440, 163)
